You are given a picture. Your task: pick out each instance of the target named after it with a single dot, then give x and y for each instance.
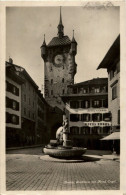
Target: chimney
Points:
(10, 61)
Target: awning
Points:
(113, 136)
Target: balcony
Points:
(89, 104)
(88, 90)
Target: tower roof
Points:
(56, 41)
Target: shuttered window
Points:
(13, 104)
(12, 88)
(74, 104)
(74, 117)
(85, 117)
(12, 118)
(85, 104)
(85, 130)
(74, 130)
(97, 103)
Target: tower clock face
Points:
(58, 60)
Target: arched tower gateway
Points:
(59, 65)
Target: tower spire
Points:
(73, 39)
(43, 49)
(73, 45)
(60, 22)
(44, 43)
(60, 26)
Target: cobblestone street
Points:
(26, 171)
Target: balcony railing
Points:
(87, 91)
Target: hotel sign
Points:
(90, 124)
(88, 111)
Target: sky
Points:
(95, 31)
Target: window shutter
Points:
(17, 106)
(14, 119)
(17, 91)
(8, 117)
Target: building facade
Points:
(32, 109)
(59, 66)
(87, 112)
(111, 62)
(42, 131)
(13, 106)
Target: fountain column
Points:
(66, 142)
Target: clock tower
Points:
(59, 65)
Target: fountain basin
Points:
(62, 152)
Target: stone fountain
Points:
(62, 146)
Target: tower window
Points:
(51, 81)
(63, 91)
(51, 92)
(62, 80)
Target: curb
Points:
(24, 147)
(115, 158)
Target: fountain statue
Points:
(62, 146)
